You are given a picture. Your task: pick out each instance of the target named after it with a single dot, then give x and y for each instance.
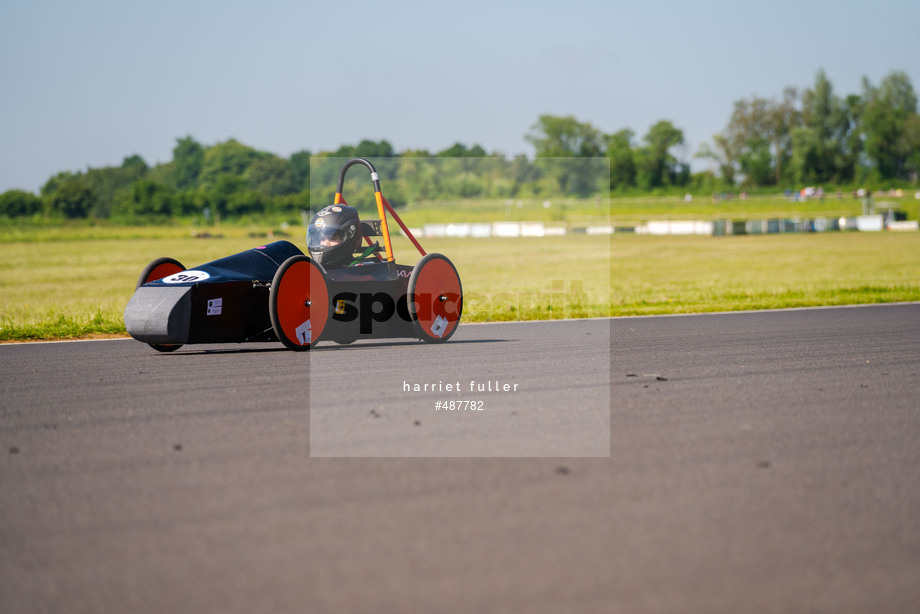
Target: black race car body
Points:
(369, 302)
(223, 301)
(276, 293)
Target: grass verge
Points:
(78, 287)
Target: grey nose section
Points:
(157, 314)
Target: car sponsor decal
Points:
(186, 277)
(303, 333)
(214, 306)
(320, 222)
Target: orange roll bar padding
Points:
(383, 225)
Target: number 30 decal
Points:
(186, 277)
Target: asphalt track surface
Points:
(759, 462)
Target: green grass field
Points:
(656, 275)
(69, 283)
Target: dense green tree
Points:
(853, 148)
(817, 137)
(72, 199)
(188, 160)
(415, 153)
(722, 155)
(459, 150)
(300, 170)
(222, 193)
(656, 165)
(622, 159)
(246, 202)
(885, 120)
(146, 201)
(19, 203)
(271, 176)
(749, 135)
(782, 117)
(523, 172)
(135, 164)
(819, 143)
(56, 181)
(227, 158)
(911, 137)
(366, 149)
(564, 137)
(756, 163)
(107, 182)
(456, 150)
(757, 142)
(559, 143)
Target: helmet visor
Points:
(328, 235)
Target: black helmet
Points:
(334, 235)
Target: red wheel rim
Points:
(436, 298)
(162, 270)
(302, 303)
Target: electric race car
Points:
(341, 292)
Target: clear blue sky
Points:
(85, 84)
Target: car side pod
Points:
(299, 304)
(159, 318)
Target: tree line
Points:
(798, 138)
(816, 136)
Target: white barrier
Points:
(457, 230)
(904, 225)
(599, 230)
(506, 229)
(480, 230)
(435, 230)
(865, 223)
(870, 223)
(532, 229)
(676, 227)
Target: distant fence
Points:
(715, 228)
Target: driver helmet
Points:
(334, 235)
